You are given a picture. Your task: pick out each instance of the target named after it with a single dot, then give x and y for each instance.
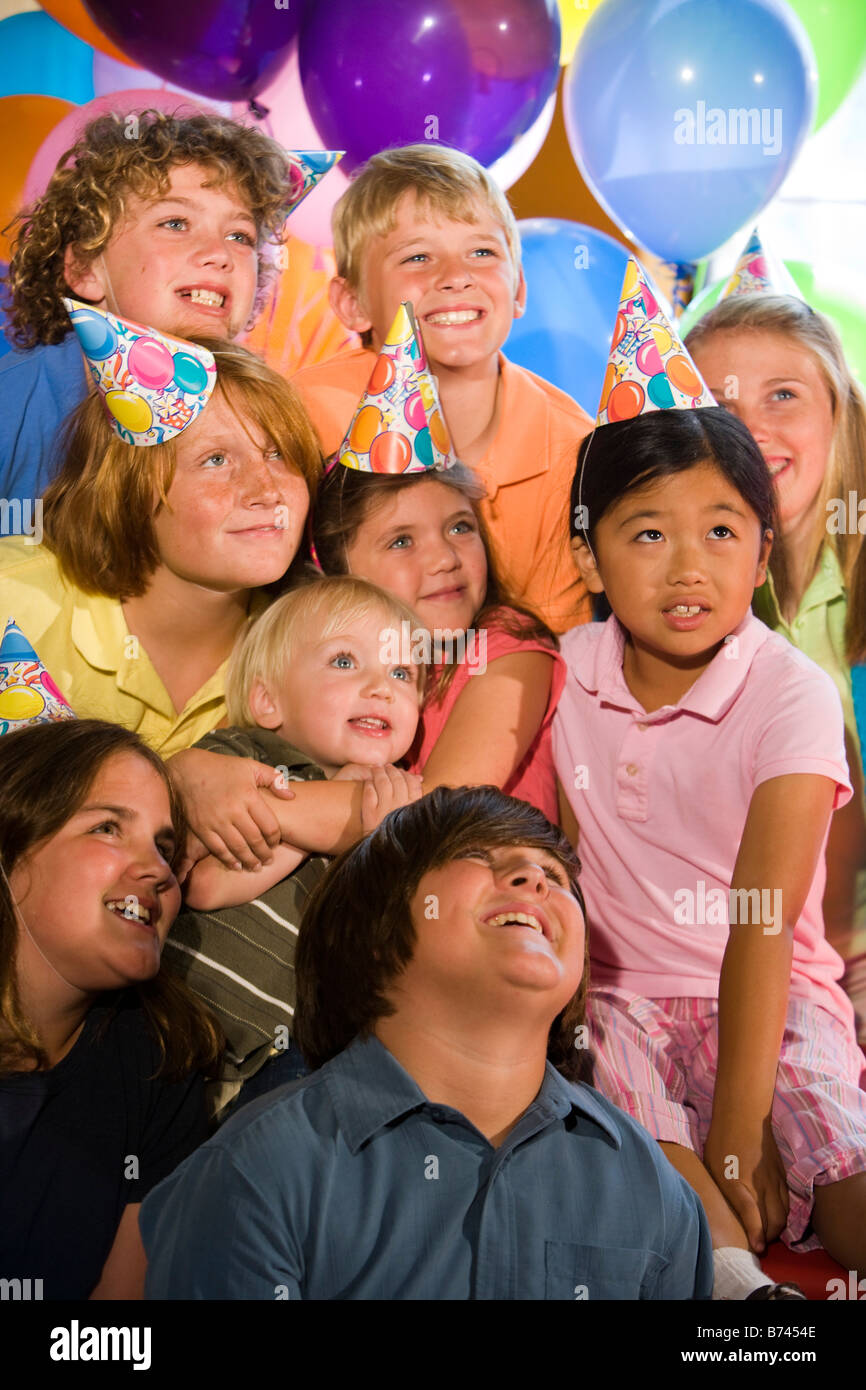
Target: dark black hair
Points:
(356, 934)
(620, 458)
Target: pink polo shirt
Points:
(661, 800)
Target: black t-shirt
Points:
(80, 1141)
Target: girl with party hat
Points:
(780, 367)
(700, 758)
(396, 508)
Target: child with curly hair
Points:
(164, 229)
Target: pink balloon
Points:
(648, 359)
(151, 363)
(414, 411)
(289, 122)
(64, 135)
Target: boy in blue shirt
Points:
(439, 1149)
(161, 223)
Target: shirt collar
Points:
(370, 1090)
(713, 692)
(826, 584)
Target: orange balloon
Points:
(618, 331)
(683, 375)
(74, 17)
(297, 325)
(25, 121)
(382, 375)
(365, 429)
(438, 432)
(608, 384)
(625, 401)
(390, 453)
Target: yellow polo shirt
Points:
(85, 645)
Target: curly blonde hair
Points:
(86, 198)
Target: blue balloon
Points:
(574, 276)
(40, 57)
(94, 333)
(189, 374)
(684, 116)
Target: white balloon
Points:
(511, 166)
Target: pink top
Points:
(534, 780)
(661, 800)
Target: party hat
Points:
(28, 695)
(306, 169)
(759, 272)
(398, 425)
(153, 386)
(648, 367)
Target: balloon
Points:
(474, 74)
(512, 165)
(297, 325)
(289, 122)
(228, 49)
(111, 76)
(188, 373)
(684, 116)
(573, 15)
(847, 309)
(96, 335)
(838, 35)
(151, 363)
(129, 410)
(25, 122)
(41, 58)
(574, 275)
(74, 17)
(67, 131)
(390, 453)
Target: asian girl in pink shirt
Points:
(700, 758)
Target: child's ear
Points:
(83, 276)
(764, 557)
(263, 706)
(587, 564)
(520, 294)
(346, 304)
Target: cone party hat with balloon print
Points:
(28, 695)
(648, 367)
(398, 426)
(153, 385)
(758, 271)
(307, 168)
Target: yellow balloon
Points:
(630, 282)
(663, 339)
(20, 702)
(573, 14)
(130, 411)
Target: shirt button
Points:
(642, 728)
(632, 769)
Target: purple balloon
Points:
(225, 49)
(474, 74)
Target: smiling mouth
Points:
(367, 724)
(517, 919)
(778, 466)
(209, 299)
(450, 318)
(131, 911)
(686, 610)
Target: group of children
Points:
(320, 624)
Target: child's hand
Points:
(225, 807)
(386, 789)
(193, 852)
(353, 772)
(746, 1166)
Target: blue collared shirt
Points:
(351, 1184)
(38, 390)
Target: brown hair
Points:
(347, 497)
(46, 772)
(445, 182)
(98, 512)
(88, 192)
(356, 934)
(846, 466)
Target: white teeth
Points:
(683, 610)
(523, 919)
(209, 297)
(371, 723)
(130, 909)
(455, 316)
(777, 467)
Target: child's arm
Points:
(225, 807)
(324, 818)
(494, 720)
(778, 856)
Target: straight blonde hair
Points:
(267, 647)
(846, 466)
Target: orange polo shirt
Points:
(527, 472)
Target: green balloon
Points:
(847, 314)
(837, 30)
